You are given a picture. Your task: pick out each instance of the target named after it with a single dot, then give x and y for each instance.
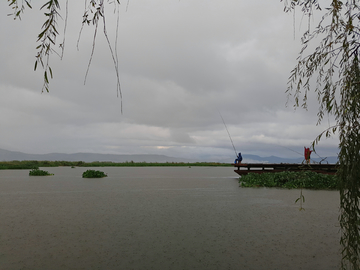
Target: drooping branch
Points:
(95, 11)
(47, 38)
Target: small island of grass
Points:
(93, 174)
(37, 172)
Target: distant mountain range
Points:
(274, 159)
(6, 155)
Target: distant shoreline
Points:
(34, 164)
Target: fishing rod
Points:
(291, 150)
(228, 133)
(322, 159)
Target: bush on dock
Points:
(93, 174)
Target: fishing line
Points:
(228, 133)
(278, 145)
(291, 150)
(322, 159)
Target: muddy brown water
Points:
(162, 218)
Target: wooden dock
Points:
(245, 168)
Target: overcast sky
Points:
(181, 63)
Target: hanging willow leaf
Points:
(45, 77)
(51, 75)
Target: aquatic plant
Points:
(37, 172)
(304, 179)
(93, 174)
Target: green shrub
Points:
(93, 174)
(37, 172)
(304, 179)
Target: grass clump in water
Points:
(304, 179)
(37, 172)
(93, 174)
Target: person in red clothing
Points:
(307, 153)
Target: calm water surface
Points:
(162, 218)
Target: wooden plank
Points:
(254, 165)
(245, 168)
(244, 172)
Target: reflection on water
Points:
(162, 218)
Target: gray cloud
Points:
(181, 62)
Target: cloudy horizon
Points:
(181, 63)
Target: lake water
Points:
(162, 218)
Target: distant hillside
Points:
(6, 155)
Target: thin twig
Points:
(92, 52)
(114, 57)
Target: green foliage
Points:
(33, 164)
(16, 165)
(305, 179)
(47, 39)
(18, 8)
(349, 158)
(301, 199)
(37, 172)
(155, 164)
(93, 174)
(335, 64)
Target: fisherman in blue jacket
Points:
(238, 159)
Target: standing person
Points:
(307, 153)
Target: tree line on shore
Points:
(35, 164)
